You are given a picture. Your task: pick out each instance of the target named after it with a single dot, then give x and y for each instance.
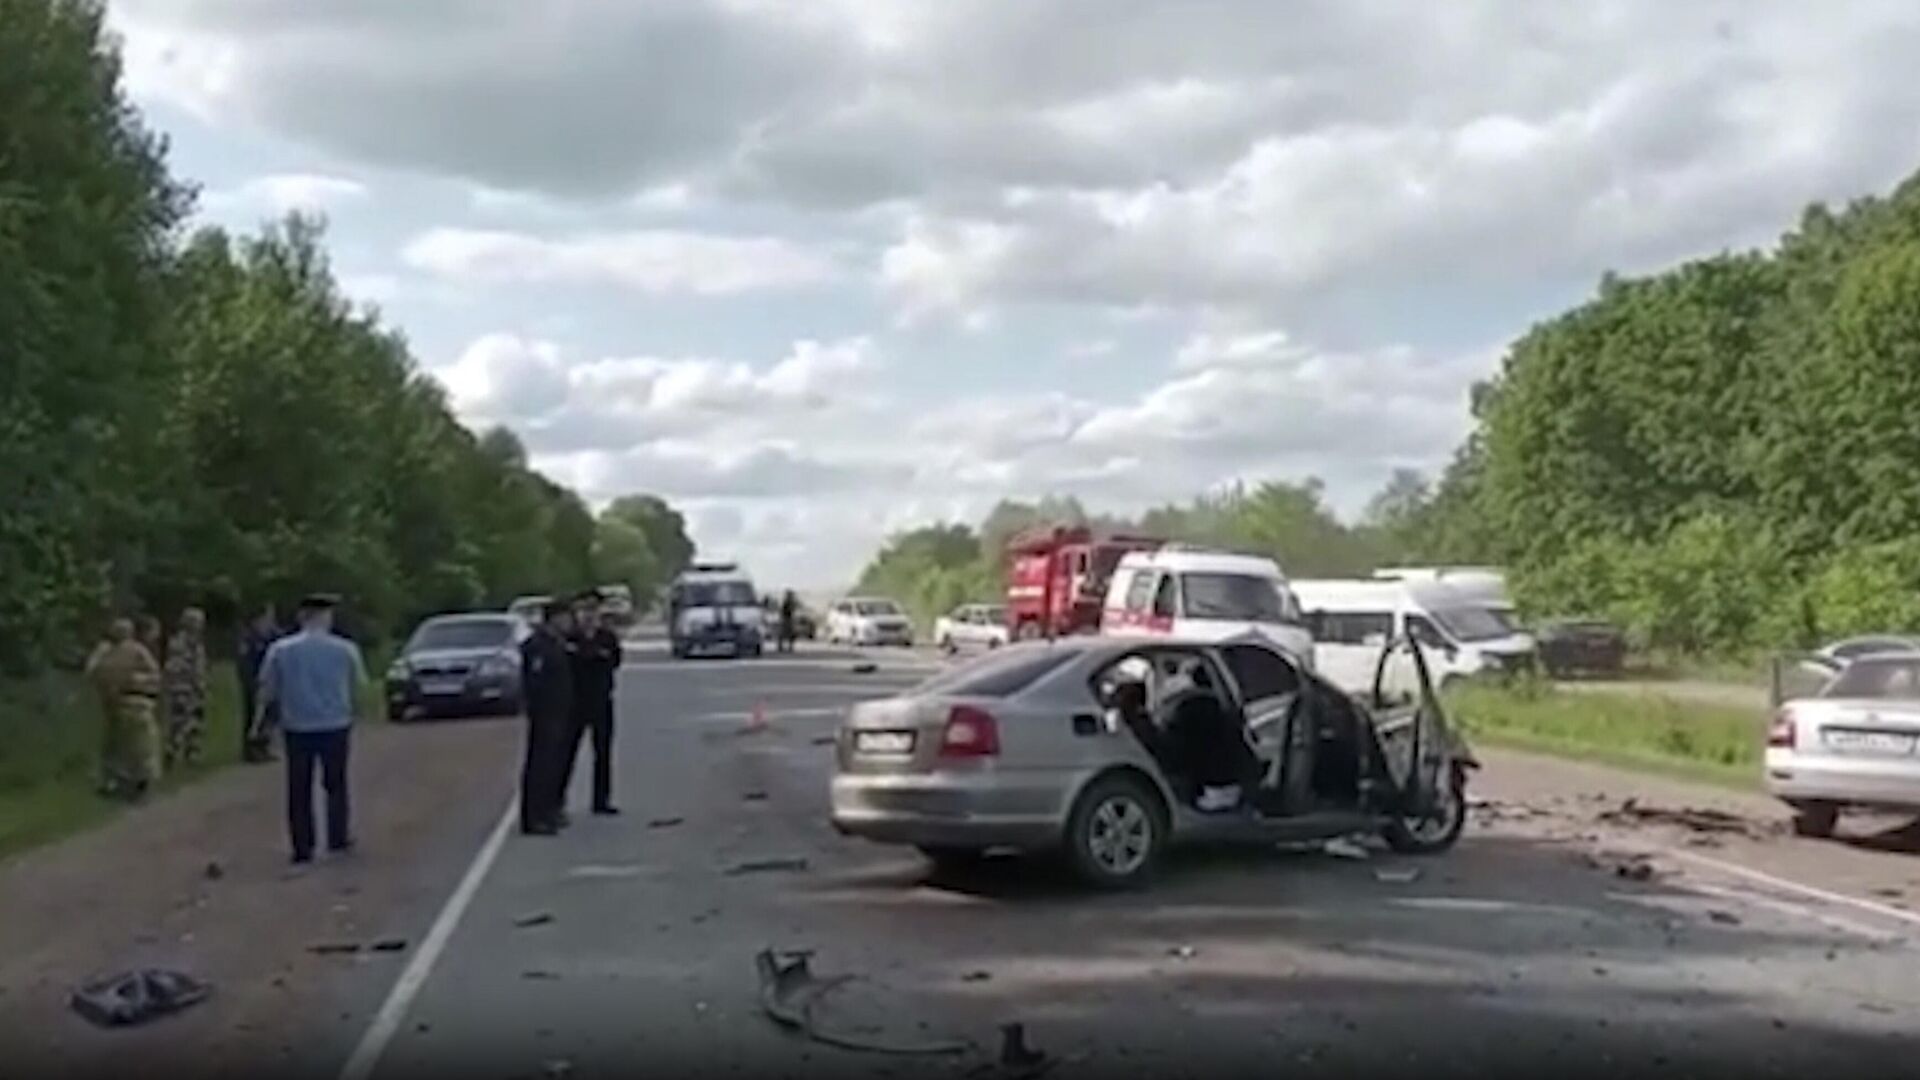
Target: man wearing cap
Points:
(596, 663)
(314, 679)
(546, 686)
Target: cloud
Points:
(280, 193)
(647, 261)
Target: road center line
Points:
(1883, 910)
(414, 976)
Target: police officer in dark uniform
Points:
(596, 662)
(546, 687)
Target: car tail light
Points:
(1781, 732)
(970, 732)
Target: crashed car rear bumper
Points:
(935, 811)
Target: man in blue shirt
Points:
(314, 679)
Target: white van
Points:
(1353, 620)
(1206, 595)
(1484, 585)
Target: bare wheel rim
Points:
(1119, 836)
(1433, 827)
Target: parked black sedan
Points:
(461, 665)
(1581, 646)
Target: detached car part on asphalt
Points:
(1853, 743)
(1106, 749)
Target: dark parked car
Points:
(1581, 646)
(458, 665)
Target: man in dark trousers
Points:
(317, 681)
(788, 604)
(259, 633)
(546, 687)
(596, 663)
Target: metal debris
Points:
(1724, 918)
(1696, 819)
(753, 866)
(392, 944)
(824, 740)
(536, 918)
(754, 796)
(135, 997)
(539, 975)
(1636, 870)
(1183, 952)
(1403, 875)
(665, 822)
(865, 667)
(214, 871)
(596, 870)
(1344, 847)
(557, 1069)
(789, 992)
(348, 948)
(976, 976)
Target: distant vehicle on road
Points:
(1581, 647)
(1853, 744)
(1187, 592)
(714, 607)
(530, 608)
(1108, 749)
(458, 665)
(616, 604)
(1353, 620)
(972, 626)
(868, 620)
(1057, 577)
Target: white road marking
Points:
(1882, 910)
(1478, 905)
(1799, 911)
(407, 987)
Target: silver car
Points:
(1854, 742)
(1107, 749)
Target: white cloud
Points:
(281, 193)
(648, 261)
(1092, 348)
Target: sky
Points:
(820, 271)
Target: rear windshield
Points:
(995, 614)
(1237, 597)
(462, 634)
(998, 674)
(1878, 678)
(876, 607)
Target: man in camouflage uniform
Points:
(185, 683)
(127, 679)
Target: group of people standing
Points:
(153, 700)
(567, 670)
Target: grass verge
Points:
(50, 736)
(1715, 743)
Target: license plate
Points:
(1891, 743)
(441, 687)
(884, 742)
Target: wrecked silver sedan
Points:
(1107, 750)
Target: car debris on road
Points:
(789, 993)
(665, 822)
(135, 997)
(1399, 875)
(535, 918)
(753, 866)
(348, 948)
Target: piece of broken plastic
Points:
(1344, 848)
(135, 997)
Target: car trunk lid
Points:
(900, 735)
(1856, 727)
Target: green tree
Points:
(621, 554)
(664, 527)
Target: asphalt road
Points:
(1519, 951)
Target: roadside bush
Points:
(1868, 590)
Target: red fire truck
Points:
(1057, 578)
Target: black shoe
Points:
(539, 830)
(345, 847)
(561, 819)
(301, 858)
(607, 810)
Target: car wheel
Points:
(396, 715)
(1815, 819)
(1436, 833)
(1115, 833)
(1029, 631)
(947, 646)
(952, 857)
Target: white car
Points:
(972, 626)
(1854, 743)
(868, 620)
(1181, 591)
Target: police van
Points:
(1198, 593)
(713, 607)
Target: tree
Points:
(86, 215)
(621, 554)
(663, 526)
